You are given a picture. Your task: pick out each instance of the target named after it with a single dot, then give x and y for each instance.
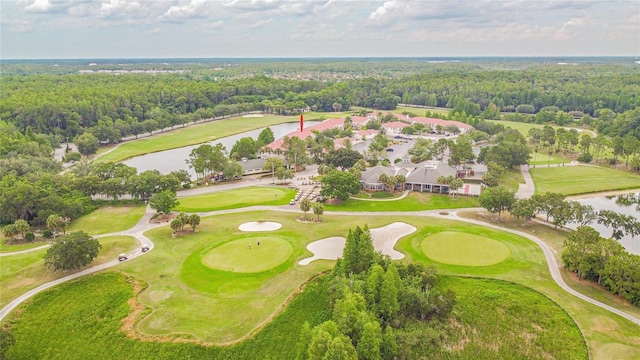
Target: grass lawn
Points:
(523, 128)
(108, 219)
(193, 135)
(542, 159)
(21, 273)
(415, 201)
(608, 336)
(512, 178)
(571, 180)
(234, 199)
(420, 111)
(239, 257)
(6, 248)
(485, 305)
(179, 287)
(456, 248)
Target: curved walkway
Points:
(143, 225)
(404, 195)
(137, 232)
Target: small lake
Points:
(175, 159)
(628, 204)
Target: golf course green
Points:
(247, 256)
(458, 248)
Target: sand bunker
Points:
(260, 226)
(252, 115)
(384, 239)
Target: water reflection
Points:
(628, 204)
(175, 159)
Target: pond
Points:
(628, 204)
(175, 159)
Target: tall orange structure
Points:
(301, 123)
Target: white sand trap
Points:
(384, 240)
(326, 249)
(259, 226)
(252, 115)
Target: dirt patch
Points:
(162, 218)
(138, 309)
(308, 220)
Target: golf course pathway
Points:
(143, 225)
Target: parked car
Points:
(122, 257)
(145, 249)
(389, 149)
(292, 202)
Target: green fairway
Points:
(21, 273)
(108, 219)
(571, 180)
(457, 248)
(176, 291)
(194, 135)
(233, 199)
(246, 256)
(415, 201)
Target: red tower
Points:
(301, 123)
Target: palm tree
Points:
(402, 180)
(384, 179)
(318, 209)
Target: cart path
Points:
(143, 225)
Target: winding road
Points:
(143, 225)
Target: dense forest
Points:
(603, 96)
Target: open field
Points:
(98, 328)
(233, 199)
(571, 180)
(542, 159)
(420, 111)
(21, 273)
(108, 219)
(179, 286)
(193, 135)
(523, 128)
(415, 201)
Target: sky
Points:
(67, 29)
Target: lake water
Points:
(175, 159)
(628, 204)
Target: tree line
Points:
(379, 310)
(585, 252)
(113, 107)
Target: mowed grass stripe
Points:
(234, 199)
(192, 135)
(415, 201)
(108, 219)
(571, 180)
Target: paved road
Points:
(527, 189)
(144, 225)
(137, 231)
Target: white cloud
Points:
(252, 5)
(120, 7)
(194, 9)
